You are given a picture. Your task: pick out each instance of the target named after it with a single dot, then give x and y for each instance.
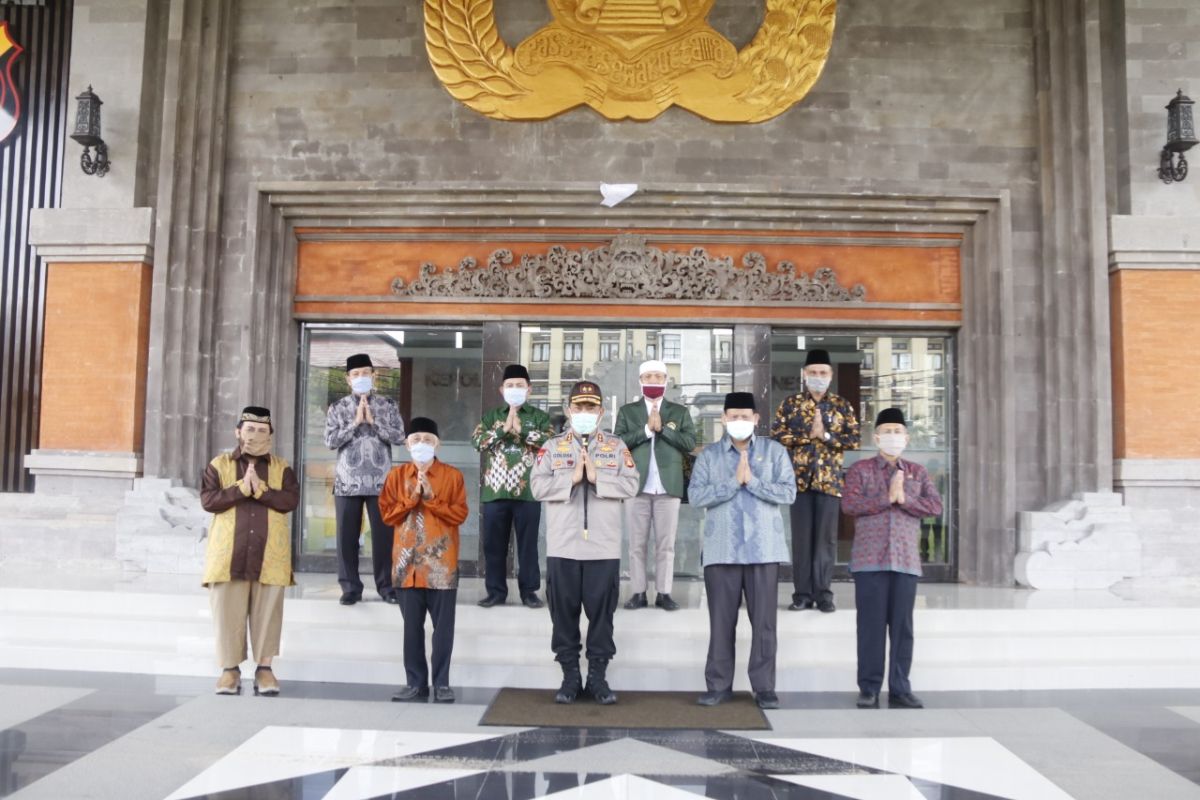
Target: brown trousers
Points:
(238, 605)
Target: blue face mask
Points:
(421, 452)
(817, 385)
(361, 384)
(584, 424)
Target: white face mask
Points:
(515, 395)
(362, 384)
(739, 429)
(817, 385)
(422, 452)
(892, 444)
(584, 424)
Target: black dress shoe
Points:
(411, 694)
(390, 598)
(350, 598)
(714, 698)
(664, 601)
(867, 700)
(766, 700)
(637, 600)
(802, 605)
(826, 607)
(908, 700)
(533, 601)
(491, 600)
(443, 694)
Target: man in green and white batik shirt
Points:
(509, 437)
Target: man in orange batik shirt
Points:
(426, 501)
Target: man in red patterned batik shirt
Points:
(887, 496)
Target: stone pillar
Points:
(1072, 408)
(180, 388)
(94, 349)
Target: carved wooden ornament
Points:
(628, 269)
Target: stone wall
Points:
(1051, 108)
(1162, 56)
(918, 98)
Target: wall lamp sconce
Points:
(1181, 136)
(87, 133)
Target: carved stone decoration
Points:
(629, 59)
(629, 269)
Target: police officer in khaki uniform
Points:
(582, 476)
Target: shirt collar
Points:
(883, 462)
(238, 455)
(729, 445)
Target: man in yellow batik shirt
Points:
(248, 562)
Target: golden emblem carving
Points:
(629, 59)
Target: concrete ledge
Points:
(93, 234)
(1157, 472)
(82, 472)
(1147, 242)
(1154, 234)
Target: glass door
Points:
(913, 372)
(430, 371)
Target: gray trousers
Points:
(660, 512)
(725, 585)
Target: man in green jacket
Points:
(658, 433)
(509, 436)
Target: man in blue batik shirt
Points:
(742, 482)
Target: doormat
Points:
(524, 708)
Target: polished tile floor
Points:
(92, 735)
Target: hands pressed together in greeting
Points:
(363, 412)
(251, 480)
(421, 488)
(584, 466)
(512, 423)
(818, 427)
(743, 474)
(896, 488)
(655, 421)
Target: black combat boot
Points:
(572, 683)
(597, 686)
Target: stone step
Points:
(957, 648)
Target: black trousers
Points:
(349, 526)
(885, 612)
(440, 604)
(500, 517)
(592, 586)
(725, 584)
(814, 545)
